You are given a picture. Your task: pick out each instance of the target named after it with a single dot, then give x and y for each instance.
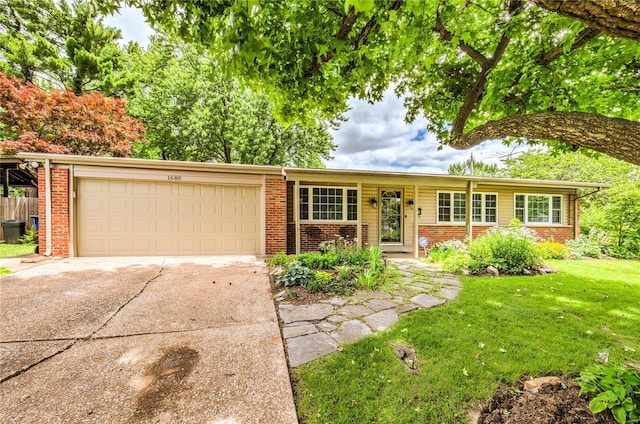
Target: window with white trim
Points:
(452, 207)
(328, 204)
(538, 208)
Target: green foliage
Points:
(318, 260)
(296, 275)
(352, 256)
(553, 250)
(614, 387)
(323, 281)
(280, 259)
(443, 250)
(4, 271)
(193, 111)
(367, 278)
(479, 61)
(480, 169)
(64, 45)
(589, 245)
(511, 250)
(30, 237)
(374, 260)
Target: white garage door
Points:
(120, 218)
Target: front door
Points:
(391, 217)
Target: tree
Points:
(476, 70)
(33, 120)
(62, 45)
(471, 167)
(193, 112)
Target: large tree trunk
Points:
(619, 138)
(619, 18)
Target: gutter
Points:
(47, 184)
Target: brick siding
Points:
(60, 241)
(328, 232)
(438, 233)
(275, 215)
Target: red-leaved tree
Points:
(33, 120)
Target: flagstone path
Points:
(312, 331)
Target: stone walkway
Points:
(312, 331)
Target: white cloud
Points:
(132, 23)
(376, 137)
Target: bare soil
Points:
(553, 404)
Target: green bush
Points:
(614, 387)
(318, 260)
(353, 256)
(553, 250)
(29, 237)
(441, 252)
(296, 274)
(511, 250)
(590, 245)
(280, 259)
(322, 281)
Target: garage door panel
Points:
(117, 217)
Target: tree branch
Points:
(612, 136)
(619, 18)
(581, 39)
(446, 35)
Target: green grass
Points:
(11, 250)
(4, 271)
(497, 331)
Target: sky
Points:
(375, 137)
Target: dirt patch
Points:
(552, 404)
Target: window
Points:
(485, 208)
(538, 208)
(328, 204)
(452, 207)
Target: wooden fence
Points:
(19, 208)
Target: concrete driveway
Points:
(162, 340)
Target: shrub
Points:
(280, 259)
(511, 250)
(296, 274)
(440, 252)
(318, 260)
(322, 281)
(614, 387)
(29, 237)
(353, 256)
(553, 250)
(588, 244)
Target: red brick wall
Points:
(330, 232)
(60, 241)
(437, 233)
(275, 215)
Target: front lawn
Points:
(11, 250)
(497, 331)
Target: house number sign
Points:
(174, 177)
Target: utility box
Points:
(13, 230)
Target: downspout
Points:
(47, 189)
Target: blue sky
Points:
(375, 137)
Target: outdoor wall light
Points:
(374, 203)
(419, 211)
(410, 203)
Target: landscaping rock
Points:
(379, 304)
(298, 330)
(381, 320)
(351, 331)
(337, 319)
(406, 308)
(290, 313)
(355, 311)
(427, 301)
(547, 270)
(493, 271)
(361, 294)
(326, 326)
(336, 301)
(450, 292)
(447, 281)
(307, 348)
(534, 385)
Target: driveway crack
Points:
(75, 341)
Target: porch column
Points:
(468, 210)
(416, 235)
(296, 213)
(359, 215)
